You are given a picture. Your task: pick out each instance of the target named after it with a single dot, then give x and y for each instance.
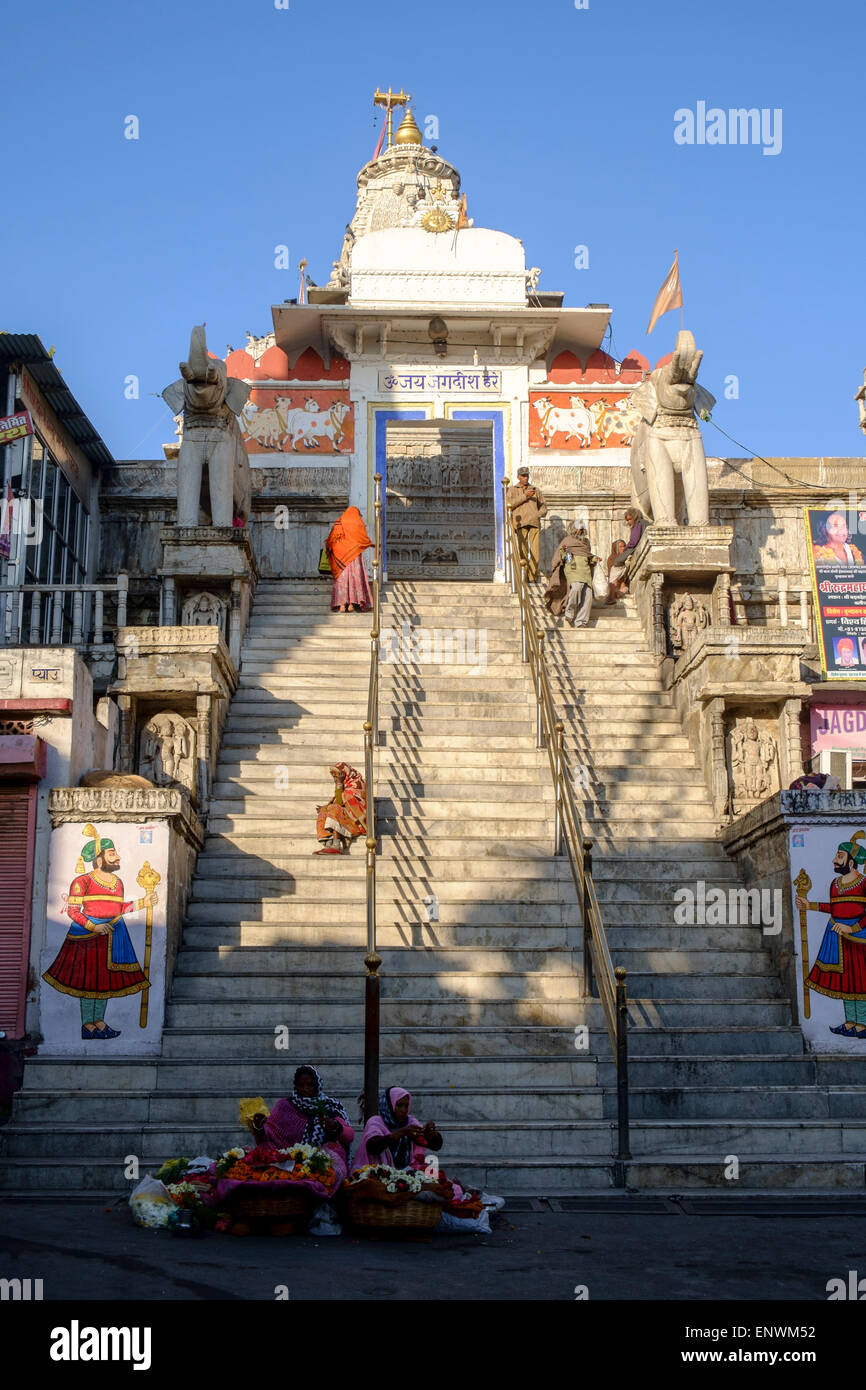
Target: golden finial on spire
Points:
(408, 132)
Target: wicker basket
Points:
(273, 1206)
(412, 1215)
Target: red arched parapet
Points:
(633, 368)
(565, 367)
(310, 367)
(600, 366)
(239, 363)
(663, 361)
(273, 365)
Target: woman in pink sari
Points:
(394, 1136)
(309, 1116)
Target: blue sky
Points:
(254, 122)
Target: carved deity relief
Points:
(204, 609)
(168, 751)
(688, 617)
(754, 763)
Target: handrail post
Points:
(586, 871)
(524, 647)
(506, 536)
(539, 677)
(623, 1150)
(372, 961)
(559, 729)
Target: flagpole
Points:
(679, 277)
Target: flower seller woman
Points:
(308, 1116)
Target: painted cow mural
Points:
(301, 409)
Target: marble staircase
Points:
(480, 1005)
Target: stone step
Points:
(298, 832)
(483, 897)
(103, 1107)
(639, 881)
(462, 984)
(655, 1025)
(667, 1072)
(747, 1104)
(762, 1172)
(392, 797)
(152, 1143)
(270, 1075)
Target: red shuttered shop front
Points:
(17, 836)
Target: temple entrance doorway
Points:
(439, 500)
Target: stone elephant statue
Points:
(667, 443)
(213, 469)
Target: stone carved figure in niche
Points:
(212, 443)
(687, 620)
(668, 442)
(204, 610)
(168, 751)
(753, 760)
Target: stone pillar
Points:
(169, 601)
(791, 740)
(783, 599)
(659, 638)
(722, 596)
(126, 741)
(203, 705)
(716, 710)
(235, 624)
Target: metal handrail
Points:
(372, 959)
(569, 836)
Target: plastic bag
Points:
(324, 1222)
(600, 583)
(151, 1204)
(492, 1203)
(464, 1225)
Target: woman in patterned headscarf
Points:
(344, 817)
(308, 1116)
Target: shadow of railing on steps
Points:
(570, 839)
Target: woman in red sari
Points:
(346, 543)
(345, 816)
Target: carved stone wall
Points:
(439, 503)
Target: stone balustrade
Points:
(35, 615)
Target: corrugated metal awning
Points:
(28, 350)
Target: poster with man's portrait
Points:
(836, 545)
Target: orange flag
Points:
(670, 296)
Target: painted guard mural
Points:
(97, 963)
(831, 940)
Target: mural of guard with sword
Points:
(97, 960)
(840, 968)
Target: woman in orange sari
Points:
(345, 545)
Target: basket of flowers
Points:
(268, 1183)
(397, 1198)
